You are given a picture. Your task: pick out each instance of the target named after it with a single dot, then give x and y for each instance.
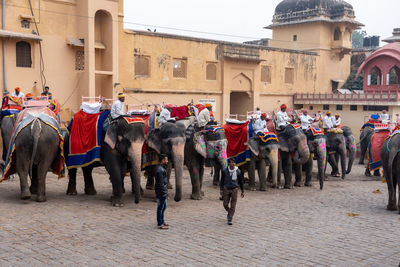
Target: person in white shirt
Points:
(385, 117)
(327, 122)
(204, 116)
(337, 120)
(165, 115)
(258, 113)
(17, 93)
(282, 118)
(117, 108)
(260, 125)
(306, 120)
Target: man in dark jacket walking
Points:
(230, 181)
(161, 188)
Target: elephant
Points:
(391, 168)
(350, 146)
(292, 141)
(317, 145)
(365, 139)
(7, 125)
(36, 147)
(336, 146)
(170, 139)
(207, 145)
(264, 151)
(121, 147)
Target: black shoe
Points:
(230, 223)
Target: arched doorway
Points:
(394, 75)
(375, 75)
(241, 97)
(103, 53)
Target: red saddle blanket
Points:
(374, 149)
(238, 135)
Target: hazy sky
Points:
(241, 18)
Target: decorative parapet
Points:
(367, 98)
(237, 51)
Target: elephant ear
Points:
(200, 144)
(111, 137)
(254, 146)
(154, 140)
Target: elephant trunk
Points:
(302, 153)
(177, 157)
(135, 158)
(321, 159)
(352, 153)
(273, 158)
(342, 153)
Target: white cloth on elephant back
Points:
(91, 108)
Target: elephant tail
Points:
(35, 132)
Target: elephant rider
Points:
(260, 125)
(306, 120)
(282, 118)
(204, 117)
(385, 117)
(46, 92)
(117, 109)
(17, 93)
(165, 115)
(327, 122)
(337, 120)
(397, 119)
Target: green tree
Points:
(358, 38)
(352, 83)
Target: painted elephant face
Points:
(212, 145)
(320, 149)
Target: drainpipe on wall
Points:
(3, 25)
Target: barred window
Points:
(23, 54)
(180, 68)
(266, 74)
(142, 66)
(289, 75)
(25, 24)
(325, 107)
(211, 72)
(80, 60)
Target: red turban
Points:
(283, 106)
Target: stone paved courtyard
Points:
(299, 227)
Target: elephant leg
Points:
(201, 175)
(217, 174)
(41, 177)
(194, 171)
(287, 170)
(252, 173)
(269, 175)
(262, 176)
(309, 166)
(362, 154)
(297, 173)
(89, 185)
(22, 170)
(71, 190)
(169, 169)
(34, 181)
(333, 163)
(113, 166)
(279, 175)
(150, 178)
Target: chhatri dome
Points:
(299, 11)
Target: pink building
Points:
(382, 69)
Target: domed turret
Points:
(295, 10)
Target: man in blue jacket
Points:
(161, 188)
(230, 181)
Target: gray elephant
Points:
(391, 167)
(208, 145)
(265, 150)
(292, 141)
(7, 125)
(36, 148)
(317, 145)
(121, 147)
(170, 139)
(336, 146)
(365, 139)
(351, 147)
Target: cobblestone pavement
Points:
(299, 227)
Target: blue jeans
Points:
(161, 207)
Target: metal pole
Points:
(4, 48)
